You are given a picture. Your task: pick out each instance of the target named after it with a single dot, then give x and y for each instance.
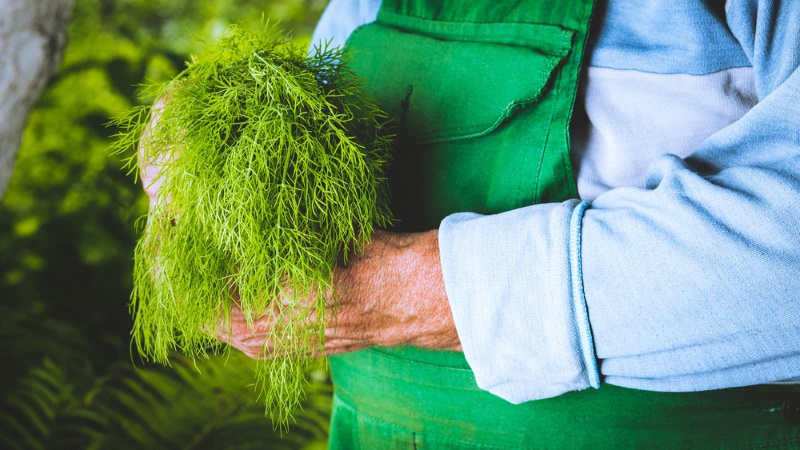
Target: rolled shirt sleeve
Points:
(690, 281)
(523, 314)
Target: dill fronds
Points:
(272, 164)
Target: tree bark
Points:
(32, 38)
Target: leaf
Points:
(206, 406)
(272, 167)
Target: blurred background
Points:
(67, 231)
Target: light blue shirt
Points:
(677, 270)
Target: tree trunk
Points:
(32, 38)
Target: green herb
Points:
(273, 171)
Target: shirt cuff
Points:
(515, 289)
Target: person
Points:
(638, 232)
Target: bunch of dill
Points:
(272, 165)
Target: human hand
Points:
(150, 170)
(390, 295)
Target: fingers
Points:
(150, 170)
(261, 339)
(283, 330)
(236, 332)
(258, 343)
(152, 177)
(154, 156)
(358, 315)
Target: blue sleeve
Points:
(689, 283)
(340, 18)
(692, 283)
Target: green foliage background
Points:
(66, 241)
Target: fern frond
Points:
(45, 412)
(202, 404)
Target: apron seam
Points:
(422, 363)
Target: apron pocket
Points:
(475, 106)
(442, 89)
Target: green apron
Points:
(483, 92)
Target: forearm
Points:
(392, 294)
